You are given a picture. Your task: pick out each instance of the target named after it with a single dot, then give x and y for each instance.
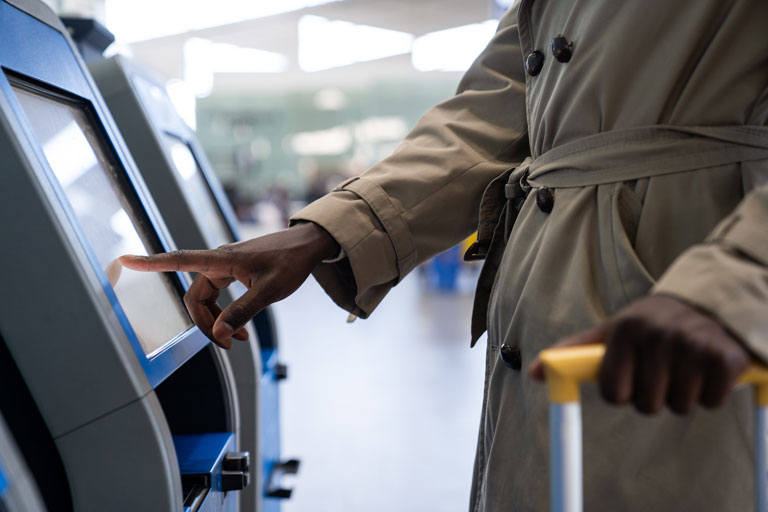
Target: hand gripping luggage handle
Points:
(566, 369)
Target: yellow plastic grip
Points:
(566, 368)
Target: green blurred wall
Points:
(245, 136)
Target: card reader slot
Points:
(194, 488)
(194, 498)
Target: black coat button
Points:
(511, 356)
(545, 199)
(534, 62)
(562, 49)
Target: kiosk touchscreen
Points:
(140, 408)
(199, 215)
(108, 220)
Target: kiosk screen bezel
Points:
(214, 204)
(159, 364)
(165, 121)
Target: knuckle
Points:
(628, 327)
(238, 314)
(179, 256)
(638, 333)
(715, 361)
(690, 346)
(736, 362)
(225, 251)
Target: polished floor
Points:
(383, 413)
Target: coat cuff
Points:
(728, 279)
(371, 231)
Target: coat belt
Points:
(608, 157)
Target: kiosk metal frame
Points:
(61, 321)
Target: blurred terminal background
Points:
(289, 98)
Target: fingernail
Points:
(129, 259)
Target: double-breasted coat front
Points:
(603, 150)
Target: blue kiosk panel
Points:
(205, 464)
(3, 481)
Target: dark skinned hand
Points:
(272, 267)
(661, 351)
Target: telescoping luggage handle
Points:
(566, 369)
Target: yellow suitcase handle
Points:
(566, 368)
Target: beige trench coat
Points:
(651, 144)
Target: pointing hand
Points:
(272, 267)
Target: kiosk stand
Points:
(140, 407)
(199, 215)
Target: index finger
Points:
(175, 261)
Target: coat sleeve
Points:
(425, 197)
(727, 276)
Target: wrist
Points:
(320, 242)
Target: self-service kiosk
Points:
(18, 491)
(141, 410)
(198, 215)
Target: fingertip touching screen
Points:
(111, 219)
